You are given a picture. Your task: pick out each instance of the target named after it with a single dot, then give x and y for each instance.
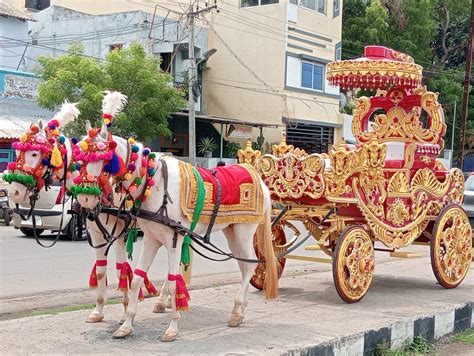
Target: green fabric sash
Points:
(201, 194)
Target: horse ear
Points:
(40, 124)
(88, 126)
(103, 130)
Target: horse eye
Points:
(35, 155)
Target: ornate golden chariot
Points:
(388, 187)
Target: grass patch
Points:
(69, 308)
(466, 337)
(419, 346)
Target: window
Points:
(310, 137)
(336, 8)
(37, 4)
(116, 46)
(312, 75)
(248, 3)
(165, 63)
(338, 54)
(316, 5)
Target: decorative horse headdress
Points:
(48, 142)
(99, 146)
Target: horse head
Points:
(40, 153)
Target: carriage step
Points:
(399, 254)
(313, 248)
(309, 258)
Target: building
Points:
(268, 73)
(13, 25)
(18, 110)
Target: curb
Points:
(431, 327)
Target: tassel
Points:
(182, 294)
(185, 254)
(150, 288)
(93, 282)
(140, 295)
(126, 276)
(56, 158)
(131, 238)
(113, 167)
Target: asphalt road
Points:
(29, 269)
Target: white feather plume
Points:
(68, 113)
(113, 102)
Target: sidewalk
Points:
(308, 318)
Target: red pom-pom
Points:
(112, 145)
(92, 133)
(34, 129)
(51, 140)
(107, 116)
(11, 166)
(55, 123)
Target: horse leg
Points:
(174, 260)
(120, 258)
(160, 305)
(148, 253)
(100, 271)
(240, 239)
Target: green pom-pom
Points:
(138, 180)
(152, 155)
(79, 189)
(20, 178)
(131, 238)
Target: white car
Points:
(48, 213)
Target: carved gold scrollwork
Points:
(248, 155)
(398, 185)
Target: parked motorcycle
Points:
(5, 206)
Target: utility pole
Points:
(452, 133)
(467, 79)
(192, 76)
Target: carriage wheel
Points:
(279, 238)
(353, 264)
(451, 244)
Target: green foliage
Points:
(232, 148)
(207, 144)
(419, 346)
(466, 337)
(81, 79)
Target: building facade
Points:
(269, 68)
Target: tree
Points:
(78, 78)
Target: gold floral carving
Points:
(282, 149)
(398, 213)
(344, 163)
(248, 155)
(425, 159)
(292, 175)
(398, 125)
(398, 185)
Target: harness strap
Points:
(215, 210)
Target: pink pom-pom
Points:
(77, 180)
(11, 166)
(134, 156)
(55, 122)
(132, 189)
(151, 182)
(51, 140)
(144, 162)
(90, 177)
(152, 164)
(40, 139)
(101, 145)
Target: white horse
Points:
(32, 161)
(239, 237)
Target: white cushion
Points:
(395, 151)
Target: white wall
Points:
(10, 55)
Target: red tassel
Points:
(182, 294)
(150, 288)
(126, 276)
(140, 295)
(93, 282)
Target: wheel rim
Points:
(451, 246)
(279, 238)
(354, 264)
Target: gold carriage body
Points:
(389, 187)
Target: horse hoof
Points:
(235, 321)
(159, 308)
(95, 318)
(121, 321)
(122, 333)
(168, 337)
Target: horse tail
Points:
(264, 237)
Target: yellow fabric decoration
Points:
(83, 145)
(56, 158)
(55, 132)
(128, 176)
(24, 137)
